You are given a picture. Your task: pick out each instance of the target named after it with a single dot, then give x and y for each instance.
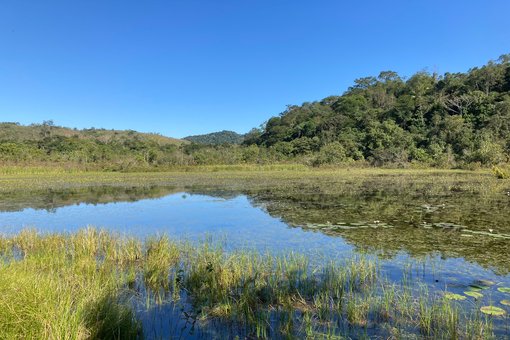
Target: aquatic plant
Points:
(491, 310)
(87, 284)
(474, 294)
(453, 296)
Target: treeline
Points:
(450, 120)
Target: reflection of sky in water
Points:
(183, 216)
(240, 225)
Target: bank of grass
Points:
(84, 286)
(13, 178)
(280, 184)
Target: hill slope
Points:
(107, 149)
(440, 120)
(217, 138)
(37, 132)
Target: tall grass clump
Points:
(52, 288)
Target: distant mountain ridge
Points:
(217, 138)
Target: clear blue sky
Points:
(189, 67)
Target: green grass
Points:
(53, 288)
(81, 285)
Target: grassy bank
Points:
(90, 285)
(13, 178)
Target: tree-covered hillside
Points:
(439, 120)
(217, 138)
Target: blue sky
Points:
(189, 67)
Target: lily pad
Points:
(473, 294)
(505, 302)
(484, 283)
(491, 310)
(453, 296)
(474, 288)
(504, 290)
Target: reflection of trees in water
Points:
(407, 206)
(408, 213)
(50, 200)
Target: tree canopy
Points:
(440, 120)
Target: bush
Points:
(332, 153)
(500, 173)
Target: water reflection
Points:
(414, 234)
(386, 222)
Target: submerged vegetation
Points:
(95, 284)
(429, 120)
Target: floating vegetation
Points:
(476, 288)
(504, 289)
(430, 208)
(348, 226)
(474, 294)
(484, 283)
(487, 233)
(464, 229)
(505, 302)
(455, 297)
(493, 311)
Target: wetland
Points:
(332, 253)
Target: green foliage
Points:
(444, 120)
(217, 138)
(500, 173)
(332, 153)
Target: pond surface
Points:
(448, 242)
(234, 220)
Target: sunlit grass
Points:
(82, 285)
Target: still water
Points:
(425, 238)
(234, 220)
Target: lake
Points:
(446, 236)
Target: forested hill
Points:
(217, 138)
(437, 119)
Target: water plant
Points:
(474, 294)
(453, 296)
(492, 310)
(92, 283)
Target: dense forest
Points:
(217, 138)
(450, 120)
(446, 120)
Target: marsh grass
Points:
(86, 284)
